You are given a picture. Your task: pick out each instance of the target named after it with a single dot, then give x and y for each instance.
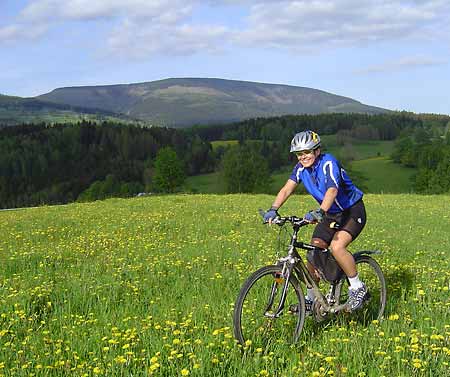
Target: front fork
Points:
(282, 277)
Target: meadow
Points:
(371, 160)
(146, 286)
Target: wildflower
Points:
(184, 372)
(120, 359)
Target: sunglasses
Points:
(304, 153)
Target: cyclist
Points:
(339, 201)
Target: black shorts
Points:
(351, 220)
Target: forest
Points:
(61, 163)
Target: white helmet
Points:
(305, 140)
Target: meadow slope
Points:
(146, 286)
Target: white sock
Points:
(355, 283)
(310, 294)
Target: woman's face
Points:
(307, 158)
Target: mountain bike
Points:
(271, 308)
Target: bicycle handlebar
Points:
(294, 220)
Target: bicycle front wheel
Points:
(257, 319)
(370, 273)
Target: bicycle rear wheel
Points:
(254, 312)
(369, 272)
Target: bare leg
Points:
(339, 249)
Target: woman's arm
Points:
(328, 199)
(284, 193)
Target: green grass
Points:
(147, 286)
(371, 159)
(360, 150)
(223, 143)
(205, 184)
(384, 176)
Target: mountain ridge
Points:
(182, 102)
(17, 110)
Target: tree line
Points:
(48, 164)
(430, 155)
(359, 126)
(43, 164)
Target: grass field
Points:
(361, 149)
(146, 286)
(371, 159)
(384, 176)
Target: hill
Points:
(17, 110)
(187, 101)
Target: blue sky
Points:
(389, 53)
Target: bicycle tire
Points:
(370, 273)
(249, 320)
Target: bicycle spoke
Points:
(370, 273)
(256, 314)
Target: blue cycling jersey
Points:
(326, 172)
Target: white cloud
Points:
(402, 65)
(140, 40)
(144, 27)
(11, 33)
(306, 24)
(84, 10)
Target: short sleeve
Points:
(295, 175)
(332, 174)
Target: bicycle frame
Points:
(294, 262)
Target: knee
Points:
(319, 242)
(338, 249)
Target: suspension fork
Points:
(285, 274)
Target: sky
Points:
(393, 54)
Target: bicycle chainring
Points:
(319, 312)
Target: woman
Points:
(339, 201)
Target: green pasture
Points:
(205, 184)
(223, 143)
(385, 176)
(359, 150)
(381, 175)
(371, 160)
(146, 286)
